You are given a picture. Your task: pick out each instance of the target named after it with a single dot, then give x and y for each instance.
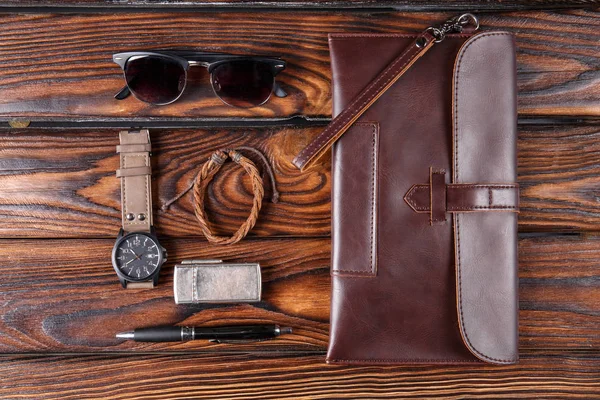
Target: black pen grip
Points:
(158, 334)
(238, 332)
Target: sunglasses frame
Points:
(208, 60)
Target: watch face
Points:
(137, 256)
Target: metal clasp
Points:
(453, 25)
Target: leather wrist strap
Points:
(135, 171)
(319, 146)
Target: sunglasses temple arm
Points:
(278, 91)
(123, 93)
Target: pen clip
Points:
(237, 341)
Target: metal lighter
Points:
(214, 281)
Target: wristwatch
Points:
(137, 255)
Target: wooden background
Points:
(60, 301)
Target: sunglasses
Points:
(160, 78)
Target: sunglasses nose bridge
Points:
(197, 63)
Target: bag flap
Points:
(484, 150)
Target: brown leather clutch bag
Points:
(425, 200)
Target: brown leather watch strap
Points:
(135, 171)
(140, 285)
(319, 146)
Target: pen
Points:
(217, 334)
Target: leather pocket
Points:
(354, 201)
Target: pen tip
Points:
(286, 329)
(125, 335)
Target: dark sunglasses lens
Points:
(243, 83)
(155, 79)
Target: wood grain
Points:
(559, 177)
(547, 375)
(61, 303)
(63, 296)
(408, 5)
(45, 194)
(551, 270)
(58, 66)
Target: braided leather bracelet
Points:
(207, 172)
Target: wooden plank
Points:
(408, 5)
(548, 376)
(47, 194)
(58, 66)
(63, 296)
(551, 270)
(559, 177)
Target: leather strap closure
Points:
(135, 171)
(136, 196)
(340, 124)
(439, 198)
(134, 148)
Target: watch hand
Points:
(132, 260)
(135, 254)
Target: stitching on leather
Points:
(123, 188)
(395, 360)
(373, 199)
(409, 198)
(333, 36)
(125, 172)
(137, 148)
(457, 208)
(345, 272)
(430, 197)
(301, 158)
(432, 220)
(420, 187)
(341, 272)
(459, 186)
(318, 140)
(457, 217)
(126, 156)
(490, 205)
